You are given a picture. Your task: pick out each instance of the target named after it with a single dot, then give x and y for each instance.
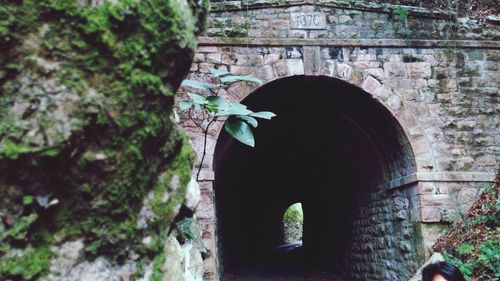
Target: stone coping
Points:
(441, 177)
(324, 42)
(207, 175)
(226, 6)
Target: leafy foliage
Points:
(30, 263)
(476, 9)
(293, 221)
(205, 109)
(401, 13)
(240, 118)
(473, 244)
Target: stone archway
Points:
(337, 150)
(441, 91)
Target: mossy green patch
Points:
(19, 230)
(28, 263)
(174, 181)
(157, 267)
(230, 29)
(120, 64)
(11, 150)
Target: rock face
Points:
(93, 171)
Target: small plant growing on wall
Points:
(206, 106)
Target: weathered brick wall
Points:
(441, 86)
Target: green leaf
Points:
(184, 104)
(216, 104)
(234, 111)
(263, 114)
(27, 200)
(218, 101)
(232, 79)
(234, 108)
(52, 152)
(198, 107)
(218, 72)
(197, 84)
(250, 120)
(237, 105)
(240, 131)
(465, 248)
(197, 98)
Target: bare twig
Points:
(204, 147)
(190, 112)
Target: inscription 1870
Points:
(308, 20)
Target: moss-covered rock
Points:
(88, 149)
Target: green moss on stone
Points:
(28, 263)
(174, 181)
(157, 267)
(11, 150)
(19, 230)
(230, 29)
(122, 62)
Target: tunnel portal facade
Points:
(385, 132)
(333, 148)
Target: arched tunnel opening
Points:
(331, 147)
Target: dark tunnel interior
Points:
(330, 143)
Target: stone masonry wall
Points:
(440, 85)
(386, 241)
(267, 19)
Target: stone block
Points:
(344, 71)
(329, 68)
(193, 195)
(255, 60)
(271, 58)
(293, 53)
(281, 68)
(395, 58)
(207, 49)
(241, 59)
(394, 102)
(375, 72)
(297, 34)
(295, 66)
(430, 59)
(266, 73)
(419, 70)
(366, 57)
(346, 31)
(204, 67)
(436, 200)
(383, 92)
(371, 85)
(222, 67)
(198, 57)
(206, 186)
(214, 58)
(241, 70)
(395, 70)
(466, 197)
(205, 208)
(361, 64)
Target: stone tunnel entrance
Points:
(333, 148)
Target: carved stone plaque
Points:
(313, 20)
